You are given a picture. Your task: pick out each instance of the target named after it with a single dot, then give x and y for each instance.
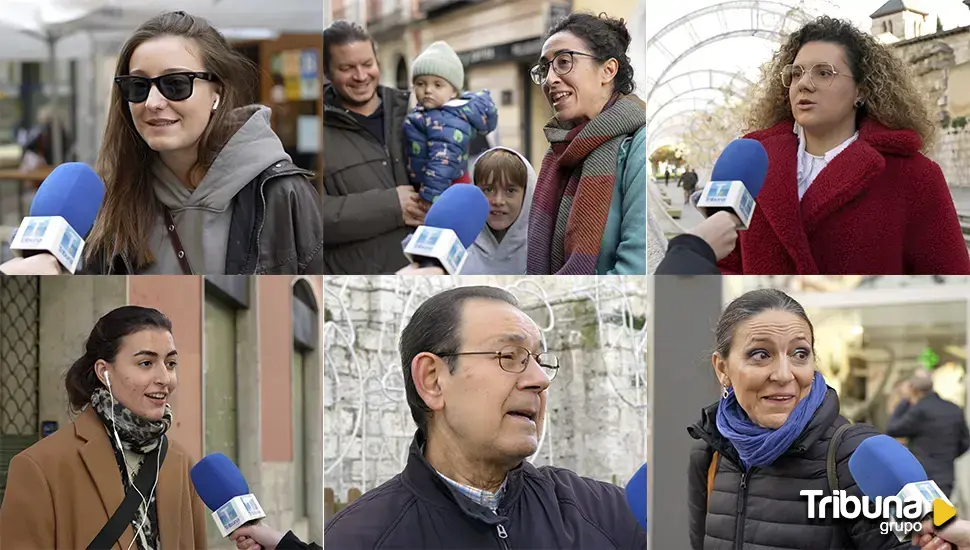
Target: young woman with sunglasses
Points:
(589, 209)
(848, 190)
(195, 180)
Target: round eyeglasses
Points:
(515, 359)
(562, 63)
(821, 75)
(172, 86)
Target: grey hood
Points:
(488, 256)
(202, 215)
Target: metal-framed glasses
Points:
(821, 75)
(172, 86)
(562, 64)
(515, 359)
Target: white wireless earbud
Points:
(215, 104)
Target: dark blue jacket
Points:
(937, 433)
(543, 508)
(437, 140)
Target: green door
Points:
(219, 381)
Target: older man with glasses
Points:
(476, 377)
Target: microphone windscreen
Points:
(881, 466)
(743, 160)
(636, 495)
(72, 191)
(218, 480)
(463, 208)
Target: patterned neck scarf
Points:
(138, 437)
(575, 188)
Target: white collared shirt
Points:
(809, 165)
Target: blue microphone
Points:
(61, 214)
(224, 490)
(636, 495)
(450, 227)
(736, 180)
(882, 467)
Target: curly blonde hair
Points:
(889, 89)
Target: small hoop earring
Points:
(724, 393)
(858, 104)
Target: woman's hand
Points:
(955, 536)
(720, 231)
(256, 536)
(40, 264)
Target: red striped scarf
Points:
(575, 187)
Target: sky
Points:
(742, 53)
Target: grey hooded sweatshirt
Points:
(202, 215)
(488, 256)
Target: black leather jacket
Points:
(288, 241)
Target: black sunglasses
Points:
(173, 86)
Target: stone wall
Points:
(596, 407)
(952, 152)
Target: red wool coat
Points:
(879, 208)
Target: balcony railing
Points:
(383, 15)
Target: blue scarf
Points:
(759, 446)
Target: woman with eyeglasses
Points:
(589, 210)
(195, 179)
(848, 189)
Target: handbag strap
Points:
(145, 481)
(177, 243)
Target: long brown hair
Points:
(129, 211)
(887, 84)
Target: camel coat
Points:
(62, 490)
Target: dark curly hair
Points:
(887, 84)
(606, 38)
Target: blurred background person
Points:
(935, 429)
(849, 189)
(59, 489)
(589, 213)
(196, 181)
(369, 204)
(508, 181)
(769, 435)
(442, 126)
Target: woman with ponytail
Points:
(769, 437)
(115, 460)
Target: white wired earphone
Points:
(131, 480)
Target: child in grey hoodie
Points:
(508, 180)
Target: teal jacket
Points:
(623, 250)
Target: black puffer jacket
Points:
(763, 509)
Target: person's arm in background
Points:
(934, 241)
(631, 254)
(963, 444)
(906, 421)
(27, 513)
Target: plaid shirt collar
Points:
(478, 496)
